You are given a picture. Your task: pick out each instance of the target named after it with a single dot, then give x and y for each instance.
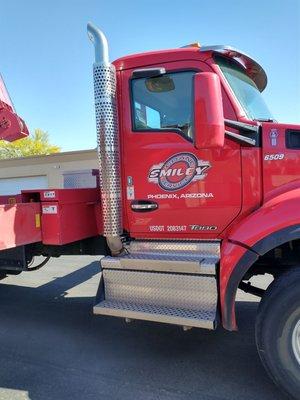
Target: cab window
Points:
(164, 103)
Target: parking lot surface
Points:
(53, 348)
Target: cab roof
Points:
(251, 67)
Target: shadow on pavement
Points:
(52, 347)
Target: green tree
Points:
(35, 144)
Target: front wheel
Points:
(278, 331)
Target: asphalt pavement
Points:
(53, 348)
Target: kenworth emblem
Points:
(178, 171)
(273, 137)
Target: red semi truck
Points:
(200, 191)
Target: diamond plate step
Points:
(146, 312)
(161, 263)
(181, 299)
(168, 256)
(206, 248)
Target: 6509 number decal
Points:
(274, 157)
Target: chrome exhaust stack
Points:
(107, 140)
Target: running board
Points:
(169, 282)
(148, 312)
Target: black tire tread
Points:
(285, 280)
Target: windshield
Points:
(244, 89)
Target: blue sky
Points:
(46, 58)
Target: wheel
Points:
(278, 331)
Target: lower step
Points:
(149, 312)
(180, 299)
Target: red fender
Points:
(275, 223)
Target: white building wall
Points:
(24, 171)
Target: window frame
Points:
(154, 130)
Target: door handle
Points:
(143, 206)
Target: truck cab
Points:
(173, 187)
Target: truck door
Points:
(171, 189)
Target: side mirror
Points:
(208, 111)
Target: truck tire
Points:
(278, 331)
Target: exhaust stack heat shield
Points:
(107, 136)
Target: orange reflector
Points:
(196, 44)
(37, 220)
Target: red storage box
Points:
(67, 215)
